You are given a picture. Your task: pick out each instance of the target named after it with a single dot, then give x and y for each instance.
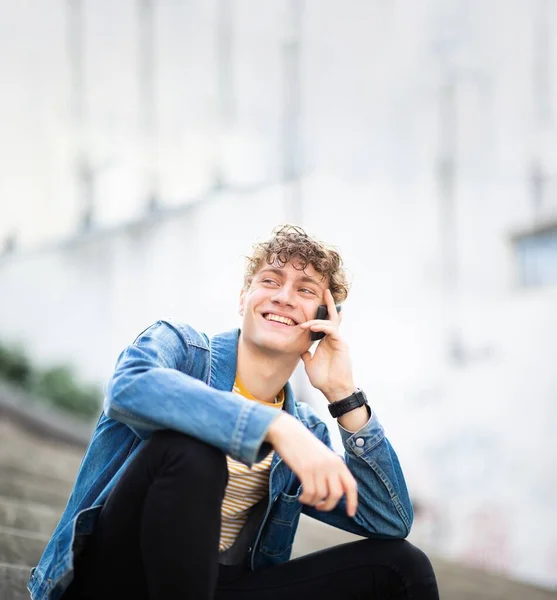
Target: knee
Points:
(414, 565)
(184, 453)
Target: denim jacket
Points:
(174, 377)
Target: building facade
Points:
(418, 137)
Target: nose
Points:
(285, 296)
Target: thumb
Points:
(306, 357)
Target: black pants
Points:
(158, 532)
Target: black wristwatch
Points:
(341, 407)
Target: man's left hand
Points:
(329, 369)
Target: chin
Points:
(273, 344)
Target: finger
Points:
(331, 307)
(308, 495)
(326, 327)
(320, 322)
(306, 357)
(351, 492)
(311, 322)
(335, 494)
(321, 490)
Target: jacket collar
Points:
(224, 361)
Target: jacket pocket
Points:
(279, 532)
(79, 531)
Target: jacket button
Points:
(360, 442)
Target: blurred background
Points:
(146, 144)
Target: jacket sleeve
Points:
(151, 390)
(384, 506)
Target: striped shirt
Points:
(246, 486)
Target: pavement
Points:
(36, 475)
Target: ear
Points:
(242, 301)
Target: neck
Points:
(263, 374)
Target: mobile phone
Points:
(322, 313)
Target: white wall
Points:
(476, 440)
(476, 437)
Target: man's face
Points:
(277, 301)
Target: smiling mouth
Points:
(278, 319)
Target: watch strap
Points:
(341, 407)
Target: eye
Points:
(307, 290)
(271, 281)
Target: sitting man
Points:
(202, 461)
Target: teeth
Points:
(285, 320)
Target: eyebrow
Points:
(305, 278)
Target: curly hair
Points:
(291, 243)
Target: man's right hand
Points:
(324, 476)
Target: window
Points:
(537, 257)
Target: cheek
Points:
(254, 298)
(310, 312)
(248, 307)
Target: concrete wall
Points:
(476, 437)
(459, 367)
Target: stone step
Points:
(24, 488)
(13, 581)
(21, 547)
(9, 471)
(457, 582)
(28, 516)
(24, 451)
(62, 472)
(313, 535)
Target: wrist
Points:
(356, 419)
(348, 404)
(334, 395)
(275, 427)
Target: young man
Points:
(198, 469)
